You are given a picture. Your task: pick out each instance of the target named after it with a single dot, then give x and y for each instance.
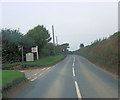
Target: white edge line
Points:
(77, 90)
(43, 69)
(48, 68)
(36, 77)
(39, 75)
(33, 75)
(36, 74)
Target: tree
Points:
(40, 36)
(10, 41)
(81, 45)
(63, 48)
(48, 50)
(27, 43)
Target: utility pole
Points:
(22, 55)
(37, 52)
(56, 40)
(53, 38)
(53, 34)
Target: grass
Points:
(45, 61)
(41, 62)
(11, 78)
(8, 76)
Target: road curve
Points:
(74, 77)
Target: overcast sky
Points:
(74, 22)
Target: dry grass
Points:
(103, 53)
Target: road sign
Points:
(34, 49)
(29, 57)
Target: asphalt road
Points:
(74, 77)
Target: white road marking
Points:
(78, 91)
(73, 64)
(76, 84)
(36, 77)
(28, 77)
(33, 75)
(73, 72)
(21, 71)
(48, 68)
(43, 69)
(39, 75)
(36, 74)
(74, 59)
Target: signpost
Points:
(20, 47)
(35, 49)
(22, 55)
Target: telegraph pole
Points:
(53, 37)
(53, 34)
(22, 55)
(56, 40)
(37, 52)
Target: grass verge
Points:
(10, 79)
(47, 61)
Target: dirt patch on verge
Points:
(17, 89)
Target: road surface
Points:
(74, 77)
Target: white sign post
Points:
(35, 49)
(20, 47)
(37, 52)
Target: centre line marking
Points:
(73, 64)
(73, 72)
(78, 91)
(74, 59)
